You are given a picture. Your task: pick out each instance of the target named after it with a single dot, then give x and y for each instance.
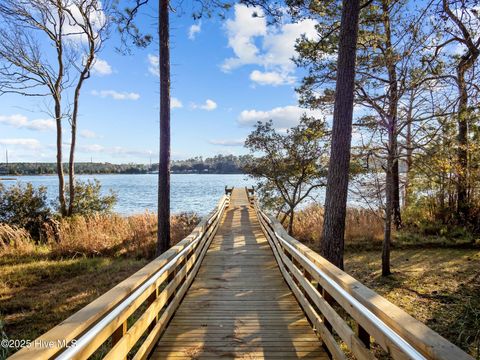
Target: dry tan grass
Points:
(15, 240)
(98, 235)
(362, 226)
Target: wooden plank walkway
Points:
(239, 306)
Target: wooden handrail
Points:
(320, 288)
(159, 287)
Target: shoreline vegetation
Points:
(220, 164)
(436, 279)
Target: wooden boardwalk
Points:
(239, 305)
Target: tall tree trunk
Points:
(397, 216)
(84, 74)
(392, 111)
(60, 174)
(163, 235)
(462, 147)
(71, 161)
(332, 243)
(409, 150)
(57, 97)
(392, 199)
(388, 216)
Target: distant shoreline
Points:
(13, 176)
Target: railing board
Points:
(149, 343)
(425, 340)
(315, 320)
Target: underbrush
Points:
(365, 229)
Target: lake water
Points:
(138, 193)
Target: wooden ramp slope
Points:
(239, 306)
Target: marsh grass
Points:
(363, 227)
(108, 235)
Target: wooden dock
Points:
(239, 305)
(240, 287)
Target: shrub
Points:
(24, 206)
(89, 200)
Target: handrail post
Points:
(153, 296)
(118, 334)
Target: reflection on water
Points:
(138, 193)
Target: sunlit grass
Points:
(439, 287)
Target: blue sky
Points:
(226, 75)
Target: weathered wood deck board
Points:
(239, 306)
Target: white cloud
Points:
(153, 64)
(21, 121)
(101, 67)
(241, 32)
(74, 21)
(272, 47)
(209, 105)
(270, 78)
(31, 144)
(226, 142)
(88, 134)
(116, 95)
(282, 117)
(194, 30)
(175, 103)
(41, 125)
(91, 148)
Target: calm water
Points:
(138, 193)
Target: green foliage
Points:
(24, 206)
(89, 199)
(291, 164)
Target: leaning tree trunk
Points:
(163, 235)
(333, 232)
(76, 103)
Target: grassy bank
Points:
(439, 287)
(80, 259)
(38, 293)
